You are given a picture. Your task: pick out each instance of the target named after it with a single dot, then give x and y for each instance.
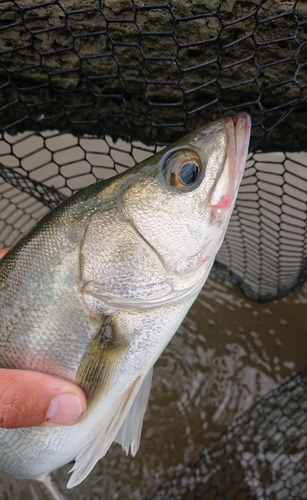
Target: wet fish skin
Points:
(97, 289)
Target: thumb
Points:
(31, 398)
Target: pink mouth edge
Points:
(242, 124)
(241, 134)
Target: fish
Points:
(97, 289)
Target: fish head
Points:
(157, 228)
(183, 197)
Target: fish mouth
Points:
(242, 126)
(238, 134)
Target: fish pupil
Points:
(189, 173)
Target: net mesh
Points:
(262, 455)
(89, 88)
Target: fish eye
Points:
(189, 173)
(183, 170)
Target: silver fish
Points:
(98, 288)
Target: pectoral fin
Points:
(103, 434)
(96, 375)
(103, 356)
(129, 434)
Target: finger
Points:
(3, 251)
(31, 398)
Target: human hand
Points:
(30, 398)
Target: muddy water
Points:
(227, 354)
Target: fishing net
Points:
(89, 88)
(262, 455)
